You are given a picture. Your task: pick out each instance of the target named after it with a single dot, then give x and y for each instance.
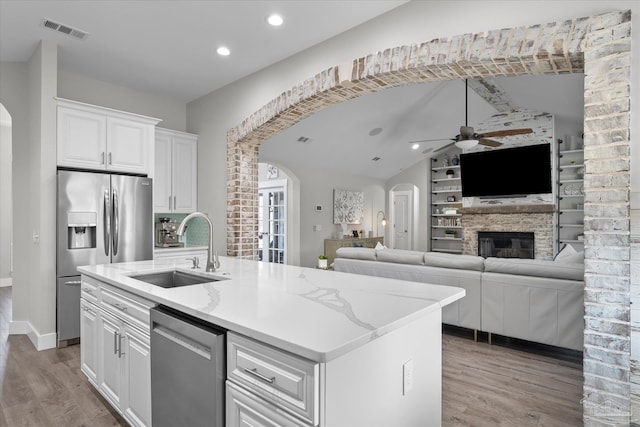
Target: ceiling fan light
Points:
(465, 144)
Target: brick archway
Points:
(600, 47)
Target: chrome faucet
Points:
(213, 262)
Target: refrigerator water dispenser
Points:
(81, 230)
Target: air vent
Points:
(375, 159)
(65, 29)
(304, 140)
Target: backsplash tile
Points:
(197, 233)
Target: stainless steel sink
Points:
(173, 279)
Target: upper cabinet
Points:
(91, 137)
(175, 187)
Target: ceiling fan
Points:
(467, 137)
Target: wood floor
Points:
(483, 385)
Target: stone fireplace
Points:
(535, 219)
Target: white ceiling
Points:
(340, 140)
(168, 47)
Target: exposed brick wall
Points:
(599, 46)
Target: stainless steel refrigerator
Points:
(102, 218)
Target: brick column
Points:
(607, 222)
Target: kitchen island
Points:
(366, 350)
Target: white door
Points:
(88, 336)
(162, 195)
(401, 220)
(109, 370)
(272, 223)
(137, 377)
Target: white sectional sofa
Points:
(535, 300)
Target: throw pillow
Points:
(380, 246)
(565, 252)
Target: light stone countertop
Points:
(316, 314)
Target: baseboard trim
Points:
(39, 341)
(5, 282)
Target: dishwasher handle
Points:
(182, 341)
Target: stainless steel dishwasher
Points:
(187, 370)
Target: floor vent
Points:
(64, 29)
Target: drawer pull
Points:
(255, 373)
(120, 307)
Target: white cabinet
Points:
(115, 349)
(97, 138)
(109, 363)
(137, 376)
(88, 334)
(176, 172)
(278, 383)
(369, 386)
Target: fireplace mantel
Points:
(508, 209)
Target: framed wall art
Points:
(348, 206)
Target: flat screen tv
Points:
(508, 172)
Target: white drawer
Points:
(89, 289)
(129, 307)
(245, 409)
(279, 377)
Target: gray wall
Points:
(79, 88)
(6, 204)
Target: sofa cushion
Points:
(400, 256)
(464, 262)
(356, 253)
(535, 267)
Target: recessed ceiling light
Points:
(415, 146)
(223, 51)
(275, 20)
(375, 131)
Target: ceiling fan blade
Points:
(489, 142)
(443, 147)
(431, 140)
(506, 132)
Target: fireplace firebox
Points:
(505, 244)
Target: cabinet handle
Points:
(169, 202)
(120, 352)
(110, 158)
(120, 307)
(255, 373)
(102, 158)
(115, 342)
(175, 202)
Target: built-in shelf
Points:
(443, 187)
(570, 207)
